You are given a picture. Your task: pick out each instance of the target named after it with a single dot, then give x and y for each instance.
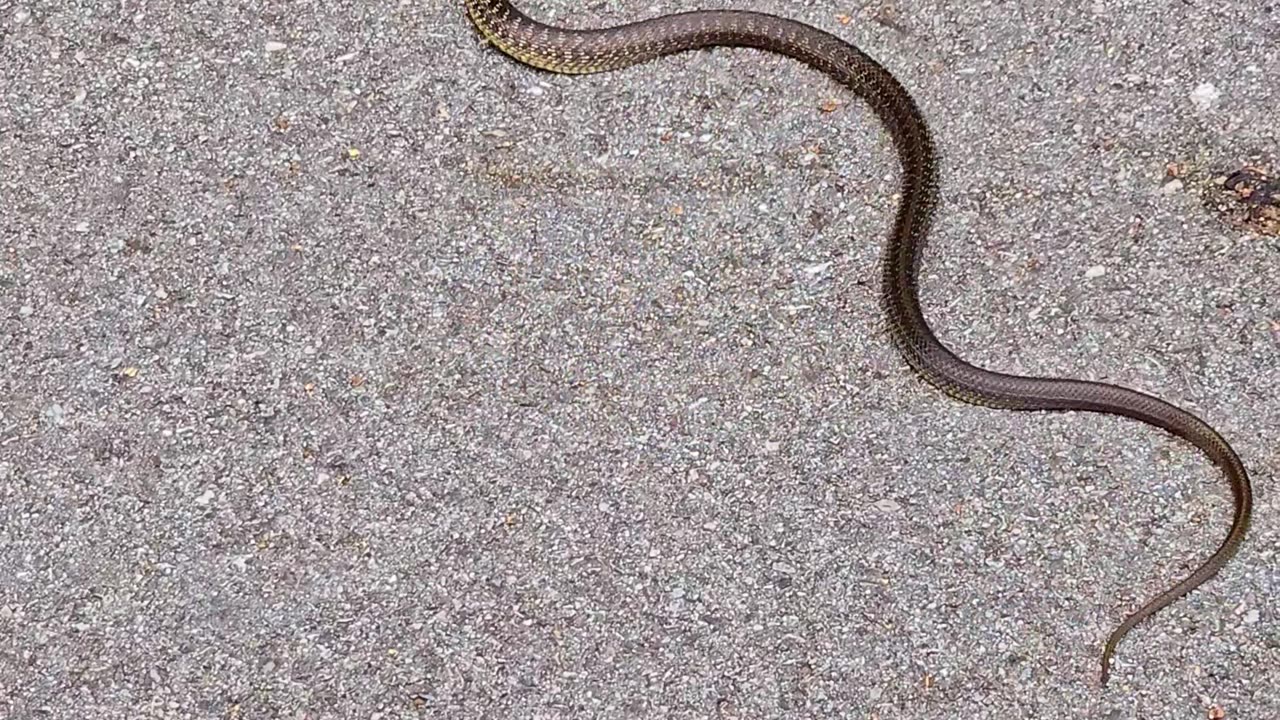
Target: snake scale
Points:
(595, 50)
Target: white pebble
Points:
(705, 138)
(275, 46)
(1171, 187)
(54, 414)
(1095, 272)
(887, 506)
(1205, 96)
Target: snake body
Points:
(595, 50)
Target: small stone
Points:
(1205, 96)
(205, 498)
(21, 15)
(274, 46)
(54, 414)
(1252, 617)
(82, 227)
(1171, 187)
(535, 90)
(26, 311)
(887, 506)
(705, 138)
(1096, 271)
(772, 446)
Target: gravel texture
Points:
(352, 370)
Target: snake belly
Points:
(565, 50)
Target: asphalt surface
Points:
(352, 370)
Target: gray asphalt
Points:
(349, 369)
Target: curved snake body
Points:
(595, 50)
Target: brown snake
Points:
(584, 51)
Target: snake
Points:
(594, 50)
